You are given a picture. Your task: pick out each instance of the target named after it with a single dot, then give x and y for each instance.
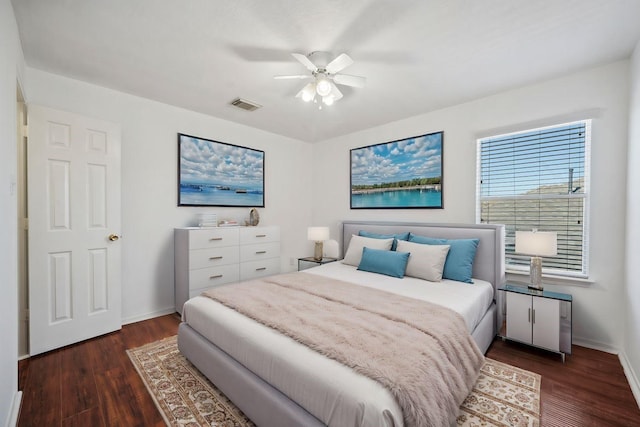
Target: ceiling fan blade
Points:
(300, 77)
(338, 64)
(348, 80)
(305, 61)
(335, 92)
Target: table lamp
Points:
(318, 234)
(537, 244)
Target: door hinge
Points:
(25, 223)
(25, 131)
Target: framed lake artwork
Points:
(402, 174)
(212, 173)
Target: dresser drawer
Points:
(213, 237)
(213, 257)
(208, 277)
(259, 251)
(260, 268)
(252, 235)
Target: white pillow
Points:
(426, 261)
(354, 253)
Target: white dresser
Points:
(208, 257)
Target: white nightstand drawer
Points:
(213, 237)
(260, 268)
(213, 257)
(259, 251)
(207, 277)
(251, 235)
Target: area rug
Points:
(503, 395)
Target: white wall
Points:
(11, 65)
(600, 93)
(149, 181)
(631, 301)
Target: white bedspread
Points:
(333, 393)
(469, 300)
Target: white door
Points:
(546, 323)
(74, 226)
(519, 317)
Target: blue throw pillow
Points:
(396, 237)
(459, 263)
(389, 263)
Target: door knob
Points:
(113, 237)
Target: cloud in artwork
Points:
(418, 157)
(209, 162)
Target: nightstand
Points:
(308, 262)
(538, 318)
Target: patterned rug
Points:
(503, 395)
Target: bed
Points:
(276, 381)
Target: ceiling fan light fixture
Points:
(308, 93)
(306, 97)
(322, 89)
(323, 86)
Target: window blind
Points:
(538, 179)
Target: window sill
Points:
(554, 278)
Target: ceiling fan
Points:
(325, 77)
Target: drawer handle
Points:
(260, 252)
(215, 257)
(215, 238)
(261, 268)
(217, 276)
(261, 235)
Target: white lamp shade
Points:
(318, 234)
(536, 243)
(328, 100)
(323, 86)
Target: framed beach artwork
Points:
(212, 173)
(403, 174)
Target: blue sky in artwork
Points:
(207, 162)
(419, 157)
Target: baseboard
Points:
(148, 316)
(12, 421)
(631, 376)
(594, 345)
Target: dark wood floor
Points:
(589, 389)
(94, 383)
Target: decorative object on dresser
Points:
(254, 217)
(318, 234)
(208, 257)
(207, 220)
(537, 244)
(537, 318)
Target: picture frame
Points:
(213, 173)
(402, 174)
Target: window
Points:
(539, 179)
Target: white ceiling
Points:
(417, 55)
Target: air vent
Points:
(245, 105)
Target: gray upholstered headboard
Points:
(489, 262)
